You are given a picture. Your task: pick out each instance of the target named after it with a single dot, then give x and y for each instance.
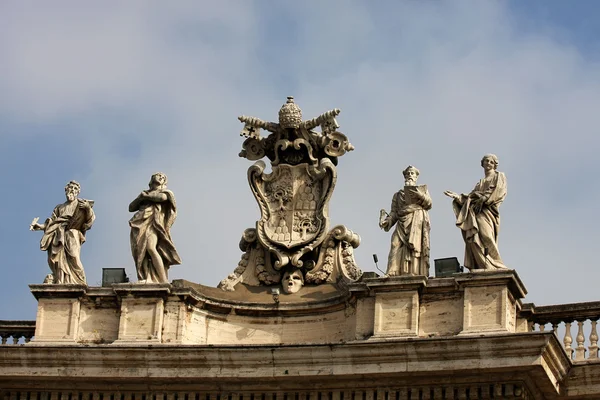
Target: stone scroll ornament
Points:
(64, 233)
(293, 234)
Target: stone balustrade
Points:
(16, 330)
(575, 324)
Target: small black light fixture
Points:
(446, 267)
(113, 275)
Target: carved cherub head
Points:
(292, 281)
(72, 190)
(489, 161)
(158, 181)
(411, 174)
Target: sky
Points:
(107, 93)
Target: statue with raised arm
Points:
(409, 252)
(64, 233)
(478, 217)
(151, 245)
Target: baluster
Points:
(530, 326)
(15, 338)
(568, 340)
(542, 327)
(4, 338)
(580, 351)
(593, 341)
(555, 328)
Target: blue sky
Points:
(111, 92)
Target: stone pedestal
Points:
(57, 318)
(142, 312)
(464, 304)
(396, 305)
(491, 301)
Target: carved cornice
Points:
(533, 357)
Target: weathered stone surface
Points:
(534, 361)
(188, 313)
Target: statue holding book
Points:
(409, 252)
(64, 233)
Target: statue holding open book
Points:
(409, 252)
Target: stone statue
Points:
(478, 217)
(64, 233)
(293, 231)
(292, 281)
(151, 245)
(409, 252)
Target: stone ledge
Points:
(507, 277)
(142, 289)
(42, 291)
(535, 357)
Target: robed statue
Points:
(478, 217)
(64, 233)
(409, 251)
(151, 245)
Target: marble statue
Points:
(293, 231)
(409, 252)
(292, 281)
(151, 245)
(478, 217)
(64, 233)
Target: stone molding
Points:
(536, 358)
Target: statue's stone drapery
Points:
(151, 245)
(64, 233)
(293, 231)
(478, 217)
(409, 251)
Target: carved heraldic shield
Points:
(293, 200)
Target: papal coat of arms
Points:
(292, 237)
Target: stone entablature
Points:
(524, 366)
(188, 313)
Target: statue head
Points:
(411, 174)
(72, 190)
(158, 181)
(292, 281)
(290, 115)
(491, 160)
